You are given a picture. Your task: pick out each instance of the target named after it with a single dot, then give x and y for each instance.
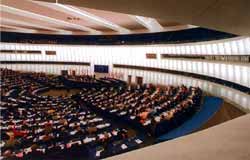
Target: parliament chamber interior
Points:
(124, 80)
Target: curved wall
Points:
(136, 55)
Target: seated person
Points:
(91, 129)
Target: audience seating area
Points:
(52, 127)
(151, 109)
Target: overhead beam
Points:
(150, 23)
(22, 23)
(179, 27)
(81, 13)
(19, 29)
(29, 14)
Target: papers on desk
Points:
(109, 135)
(60, 126)
(9, 93)
(39, 130)
(81, 117)
(30, 116)
(27, 150)
(132, 117)
(4, 127)
(147, 122)
(74, 142)
(138, 141)
(101, 136)
(41, 150)
(87, 140)
(29, 120)
(14, 105)
(51, 146)
(28, 98)
(19, 155)
(124, 146)
(123, 113)
(100, 126)
(98, 153)
(89, 116)
(41, 137)
(41, 124)
(95, 120)
(62, 146)
(82, 113)
(2, 143)
(35, 139)
(73, 132)
(71, 124)
(114, 133)
(107, 124)
(12, 99)
(83, 122)
(55, 122)
(158, 119)
(112, 111)
(17, 121)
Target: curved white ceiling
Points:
(29, 16)
(230, 16)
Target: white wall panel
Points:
(51, 69)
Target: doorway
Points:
(129, 79)
(139, 80)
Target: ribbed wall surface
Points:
(136, 56)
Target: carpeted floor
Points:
(225, 113)
(60, 92)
